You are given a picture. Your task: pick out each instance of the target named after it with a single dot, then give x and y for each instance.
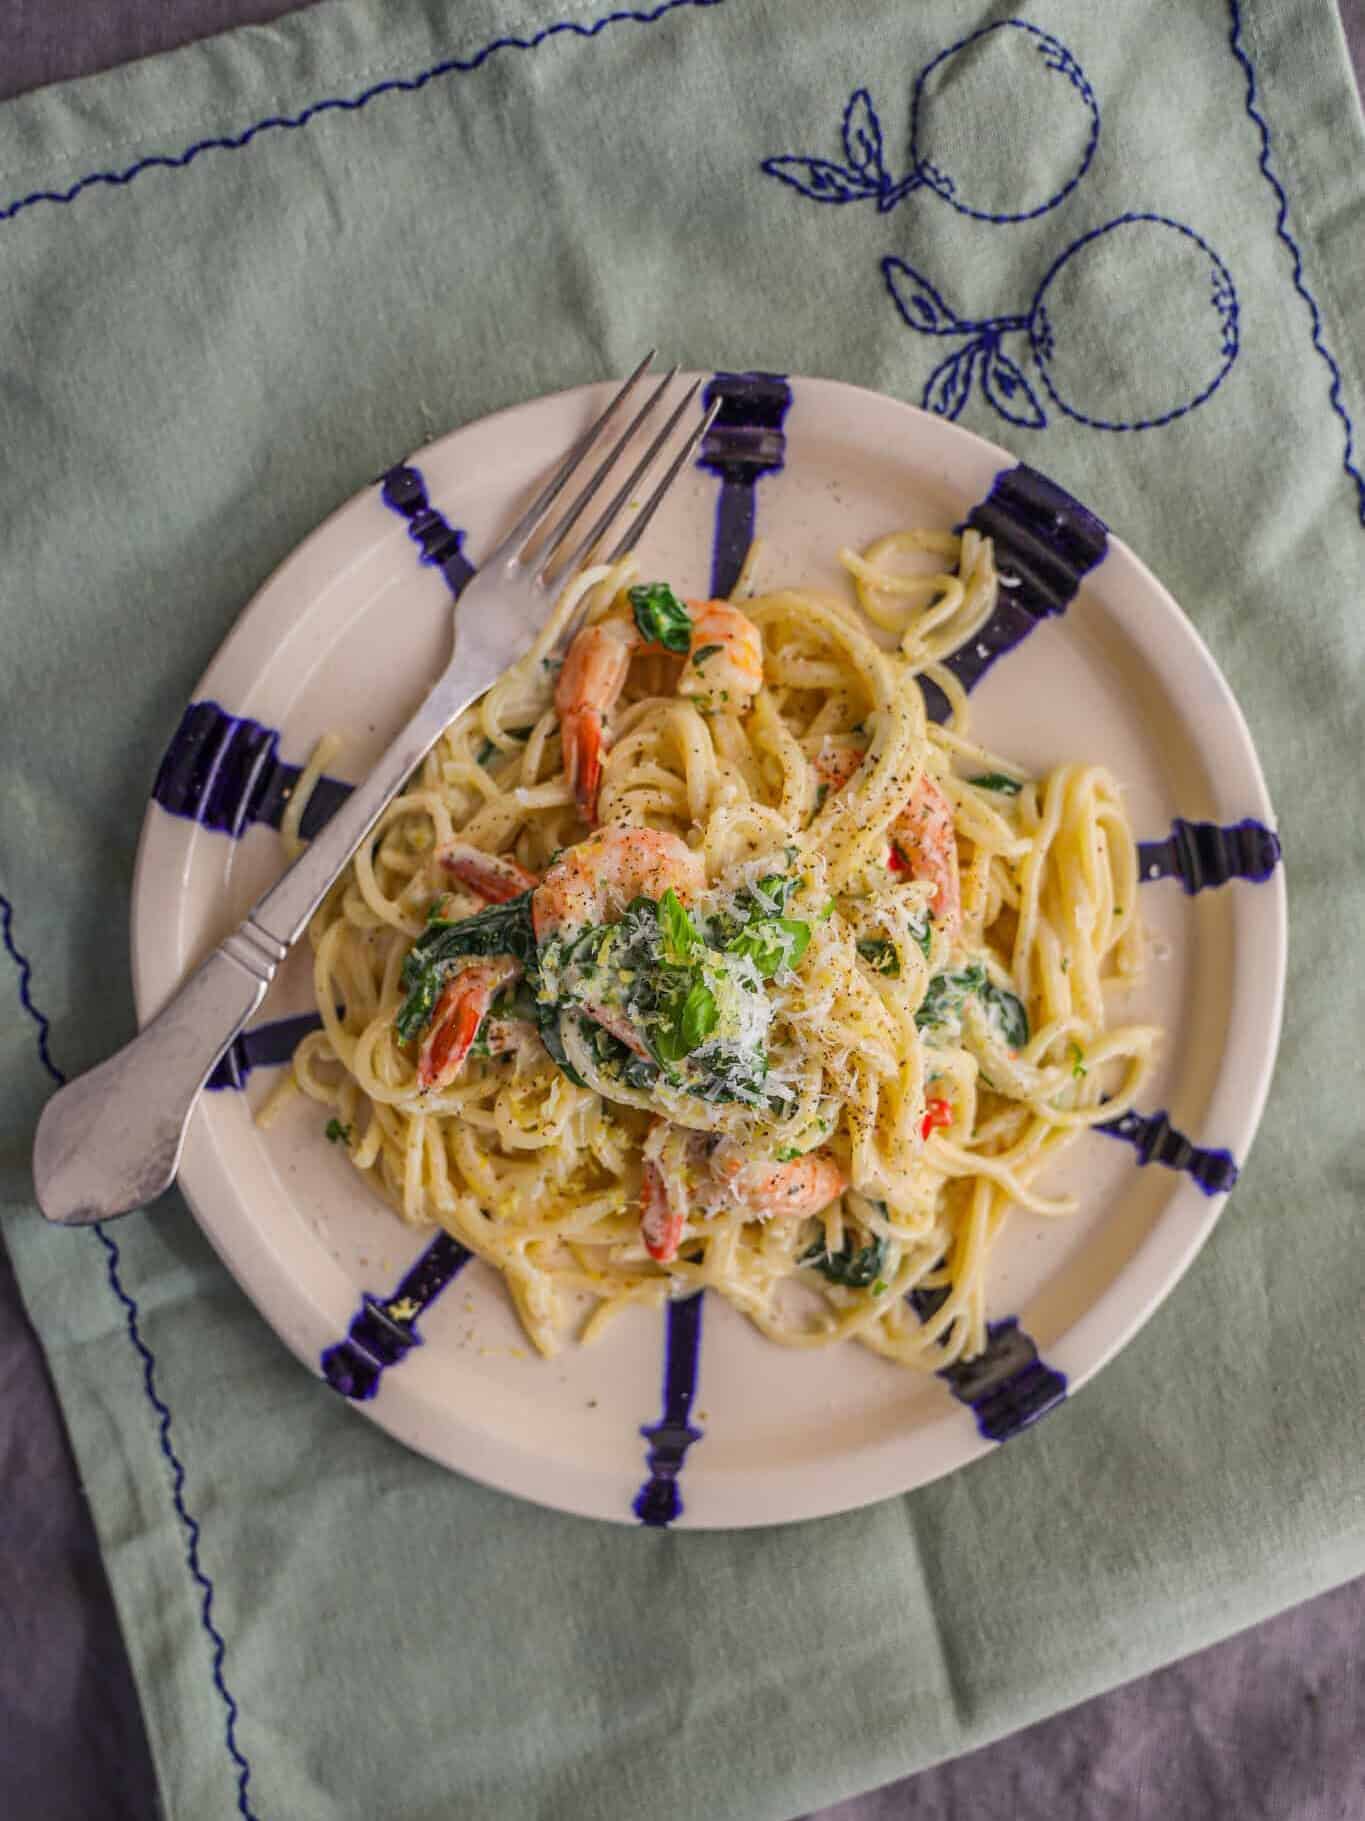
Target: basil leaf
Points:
(660, 616)
(996, 780)
(1008, 1012)
(854, 1269)
(677, 928)
(880, 954)
(699, 1017)
(772, 944)
(773, 894)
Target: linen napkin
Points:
(242, 280)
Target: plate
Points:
(688, 1416)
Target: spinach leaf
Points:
(947, 993)
(772, 943)
(1008, 1012)
(996, 780)
(855, 1269)
(706, 651)
(501, 929)
(660, 616)
(880, 954)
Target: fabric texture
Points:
(247, 277)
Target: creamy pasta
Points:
(695, 956)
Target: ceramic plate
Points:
(689, 1416)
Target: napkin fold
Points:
(244, 279)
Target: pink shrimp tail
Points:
(660, 1225)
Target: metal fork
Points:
(111, 1140)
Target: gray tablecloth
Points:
(1269, 1724)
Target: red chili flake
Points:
(936, 1113)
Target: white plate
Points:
(345, 637)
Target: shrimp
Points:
(493, 876)
(601, 875)
(725, 658)
(460, 1011)
(681, 1173)
(924, 841)
(768, 1190)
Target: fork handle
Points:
(110, 1141)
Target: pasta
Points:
(799, 1021)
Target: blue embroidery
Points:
(1006, 1387)
(404, 491)
(385, 1331)
(223, 771)
(1157, 1141)
(1201, 854)
(189, 1523)
(1142, 394)
(989, 58)
(1300, 283)
(658, 1501)
(746, 441)
(405, 85)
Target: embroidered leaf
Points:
(949, 386)
(863, 137)
(917, 300)
(1007, 389)
(820, 179)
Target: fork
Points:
(111, 1140)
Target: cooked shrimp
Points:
(492, 876)
(724, 659)
(680, 1174)
(597, 878)
(768, 1190)
(924, 842)
(460, 1011)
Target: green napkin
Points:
(241, 281)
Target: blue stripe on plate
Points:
(659, 1500)
(384, 1330)
(265, 1046)
(1156, 1140)
(224, 772)
(404, 491)
(1046, 543)
(746, 441)
(1007, 1386)
(1201, 854)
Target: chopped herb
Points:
(486, 752)
(706, 651)
(521, 733)
(855, 1269)
(880, 1287)
(1076, 1057)
(337, 1133)
(660, 616)
(773, 894)
(822, 791)
(996, 780)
